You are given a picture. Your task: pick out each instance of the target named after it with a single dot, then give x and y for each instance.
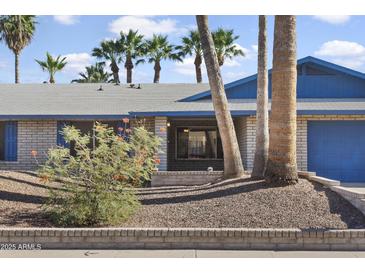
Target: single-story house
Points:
(330, 133)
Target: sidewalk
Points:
(176, 254)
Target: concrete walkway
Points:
(177, 254)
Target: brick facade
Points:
(42, 135)
(32, 135)
(161, 131)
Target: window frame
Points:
(201, 128)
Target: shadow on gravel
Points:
(215, 193)
(339, 205)
(28, 183)
(24, 198)
(147, 191)
(31, 219)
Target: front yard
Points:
(247, 204)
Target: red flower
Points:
(120, 129)
(34, 153)
(157, 161)
(125, 120)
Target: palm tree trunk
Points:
(232, 159)
(198, 69)
(16, 68)
(129, 67)
(157, 68)
(115, 70)
(262, 113)
(282, 164)
(51, 79)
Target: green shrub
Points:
(97, 183)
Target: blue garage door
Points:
(336, 149)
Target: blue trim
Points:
(308, 59)
(63, 117)
(245, 113)
(11, 141)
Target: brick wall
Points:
(186, 238)
(33, 135)
(161, 131)
(185, 178)
(250, 134)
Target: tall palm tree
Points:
(232, 159)
(52, 65)
(262, 112)
(191, 46)
(282, 163)
(157, 49)
(112, 51)
(134, 47)
(93, 74)
(17, 31)
(225, 46)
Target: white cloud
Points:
(333, 19)
(146, 25)
(341, 48)
(76, 62)
(187, 67)
(66, 19)
(346, 53)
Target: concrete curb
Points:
(357, 200)
(185, 238)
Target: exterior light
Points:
(168, 124)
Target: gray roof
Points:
(42, 100)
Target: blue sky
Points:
(333, 38)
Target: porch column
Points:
(161, 131)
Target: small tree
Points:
(97, 182)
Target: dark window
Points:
(198, 143)
(86, 127)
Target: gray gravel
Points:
(251, 204)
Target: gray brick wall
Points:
(33, 135)
(161, 131)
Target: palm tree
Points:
(93, 74)
(225, 46)
(134, 47)
(262, 113)
(282, 163)
(232, 159)
(52, 65)
(157, 49)
(191, 46)
(110, 51)
(17, 31)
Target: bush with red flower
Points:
(98, 182)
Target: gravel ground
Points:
(251, 204)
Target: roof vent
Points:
(100, 88)
(131, 85)
(139, 86)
